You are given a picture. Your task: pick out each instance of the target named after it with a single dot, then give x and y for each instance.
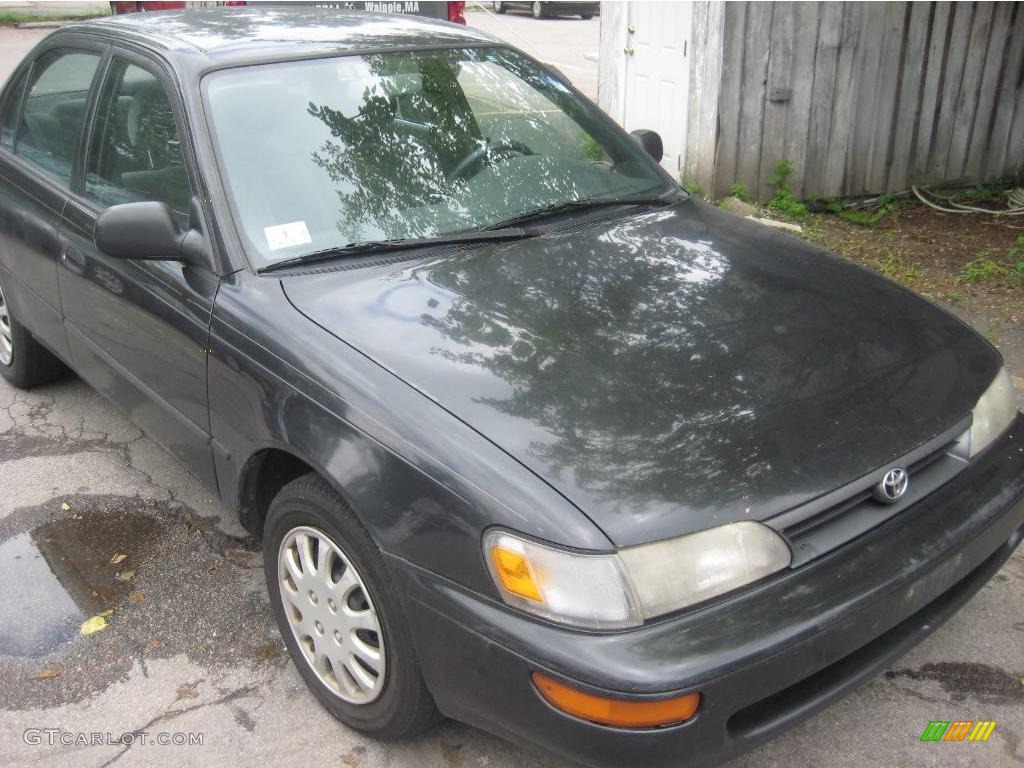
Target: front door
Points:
(138, 330)
(657, 73)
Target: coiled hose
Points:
(1015, 205)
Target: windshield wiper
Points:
(587, 202)
(378, 246)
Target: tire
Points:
(24, 361)
(499, 7)
(538, 10)
(398, 707)
(586, 16)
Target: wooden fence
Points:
(861, 97)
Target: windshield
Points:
(322, 153)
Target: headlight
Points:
(690, 569)
(569, 587)
(637, 583)
(995, 411)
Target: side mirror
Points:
(148, 231)
(650, 141)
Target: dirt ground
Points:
(966, 261)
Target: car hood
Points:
(666, 371)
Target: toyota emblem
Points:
(893, 486)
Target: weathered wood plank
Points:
(798, 114)
(611, 66)
(987, 90)
(970, 91)
(755, 78)
(698, 80)
(776, 108)
(931, 92)
(826, 57)
(1006, 95)
(912, 75)
(730, 95)
(709, 116)
(960, 22)
(843, 107)
(705, 82)
(886, 93)
(1014, 166)
(866, 116)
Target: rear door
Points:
(43, 118)
(138, 330)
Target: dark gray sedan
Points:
(532, 439)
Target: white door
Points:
(657, 76)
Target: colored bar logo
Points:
(958, 730)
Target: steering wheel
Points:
(484, 151)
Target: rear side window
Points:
(9, 121)
(135, 152)
(54, 108)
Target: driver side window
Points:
(135, 152)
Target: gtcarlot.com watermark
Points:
(52, 737)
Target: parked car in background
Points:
(532, 438)
(542, 10)
(140, 6)
(446, 10)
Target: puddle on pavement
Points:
(62, 572)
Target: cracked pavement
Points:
(191, 646)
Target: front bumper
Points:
(762, 660)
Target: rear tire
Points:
(24, 361)
(344, 588)
(586, 16)
(538, 10)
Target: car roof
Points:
(206, 38)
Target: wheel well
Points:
(266, 473)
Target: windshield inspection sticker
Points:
(286, 235)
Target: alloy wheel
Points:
(6, 340)
(331, 615)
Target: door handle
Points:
(73, 259)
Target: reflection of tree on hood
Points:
(654, 370)
(389, 165)
(555, 334)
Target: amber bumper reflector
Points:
(618, 712)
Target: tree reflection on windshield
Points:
(411, 129)
(408, 144)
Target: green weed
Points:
(739, 189)
(693, 187)
(784, 201)
(895, 268)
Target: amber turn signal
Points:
(515, 573)
(617, 712)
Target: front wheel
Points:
(340, 616)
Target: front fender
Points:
(425, 484)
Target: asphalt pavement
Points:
(97, 521)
